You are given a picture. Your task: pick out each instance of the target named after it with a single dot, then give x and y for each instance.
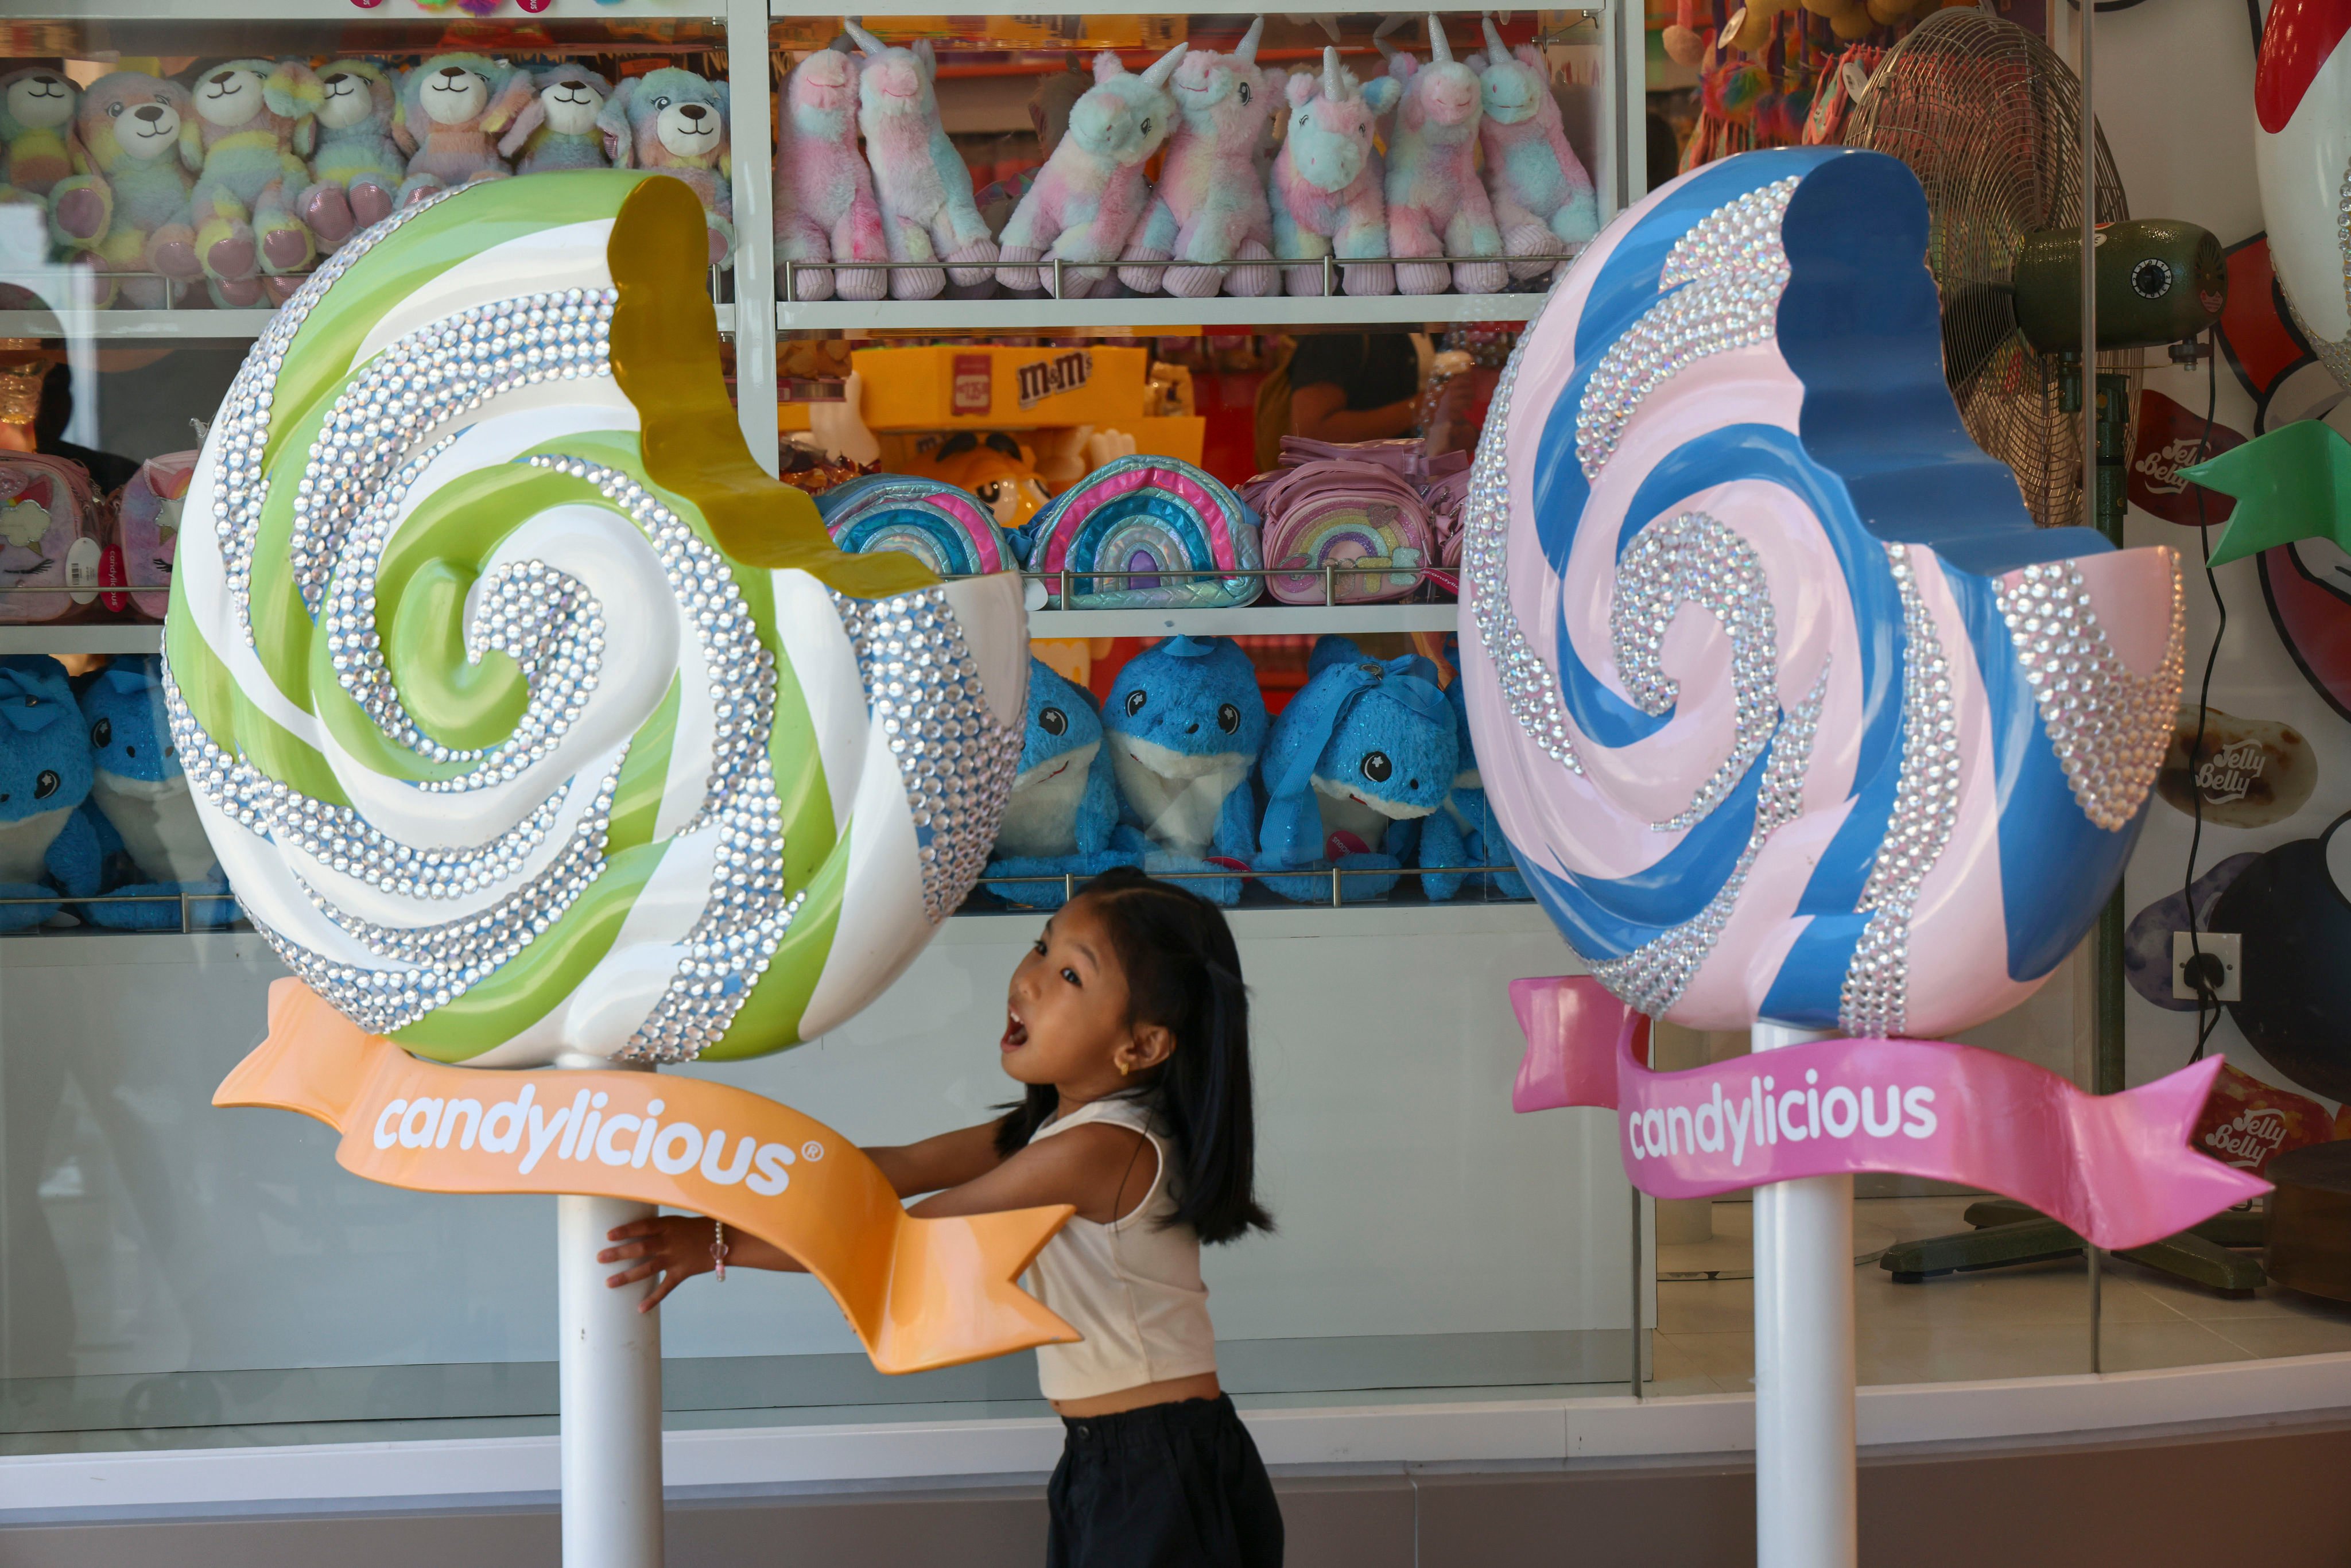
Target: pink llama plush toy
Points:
(449, 108)
(1543, 201)
(1209, 206)
(673, 120)
(825, 205)
(1436, 204)
(1324, 190)
(557, 128)
(1092, 192)
(927, 210)
(362, 156)
(252, 131)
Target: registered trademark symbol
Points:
(811, 1150)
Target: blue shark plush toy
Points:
(47, 843)
(1481, 836)
(1355, 773)
(1184, 723)
(1064, 805)
(146, 815)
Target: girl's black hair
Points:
(1184, 973)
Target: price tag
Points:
(1855, 79)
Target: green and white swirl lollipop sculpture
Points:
(531, 721)
(535, 726)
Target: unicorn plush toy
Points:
(47, 843)
(1092, 192)
(927, 210)
(1064, 808)
(1354, 773)
(1185, 725)
(1210, 204)
(1543, 198)
(1435, 205)
(825, 205)
(1324, 188)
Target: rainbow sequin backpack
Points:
(1146, 533)
(944, 526)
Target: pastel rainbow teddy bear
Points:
(825, 205)
(674, 122)
(362, 155)
(1324, 187)
(1210, 204)
(1543, 199)
(1092, 193)
(253, 127)
(1436, 204)
(928, 213)
(452, 110)
(557, 128)
(129, 214)
(36, 151)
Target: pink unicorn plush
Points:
(1543, 199)
(1210, 203)
(1092, 193)
(825, 206)
(1324, 190)
(927, 211)
(1435, 205)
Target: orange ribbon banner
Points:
(920, 1294)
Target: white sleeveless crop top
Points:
(1131, 1288)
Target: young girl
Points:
(1129, 1024)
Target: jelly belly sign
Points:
(920, 1294)
(2116, 1168)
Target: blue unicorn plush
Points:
(1355, 773)
(1184, 723)
(47, 843)
(145, 812)
(1482, 835)
(1064, 805)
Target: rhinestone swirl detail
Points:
(1728, 274)
(2110, 727)
(956, 762)
(1875, 999)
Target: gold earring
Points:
(1123, 1067)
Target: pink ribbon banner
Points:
(2114, 1168)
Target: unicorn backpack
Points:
(147, 533)
(51, 525)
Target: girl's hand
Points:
(675, 1245)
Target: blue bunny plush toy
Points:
(47, 843)
(1184, 723)
(1355, 775)
(1064, 805)
(1482, 835)
(148, 828)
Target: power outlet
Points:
(2226, 945)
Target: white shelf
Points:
(95, 637)
(175, 326)
(1250, 621)
(1146, 315)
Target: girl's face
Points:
(1067, 1008)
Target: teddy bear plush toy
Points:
(148, 829)
(362, 156)
(253, 128)
(448, 108)
(129, 212)
(1354, 775)
(557, 128)
(37, 111)
(47, 843)
(675, 121)
(1184, 723)
(1064, 809)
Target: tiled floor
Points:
(2026, 1321)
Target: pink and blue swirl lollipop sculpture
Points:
(1788, 710)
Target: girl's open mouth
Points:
(1016, 1033)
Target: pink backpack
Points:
(147, 533)
(1356, 504)
(52, 530)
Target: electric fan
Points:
(1989, 118)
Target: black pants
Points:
(1167, 1486)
